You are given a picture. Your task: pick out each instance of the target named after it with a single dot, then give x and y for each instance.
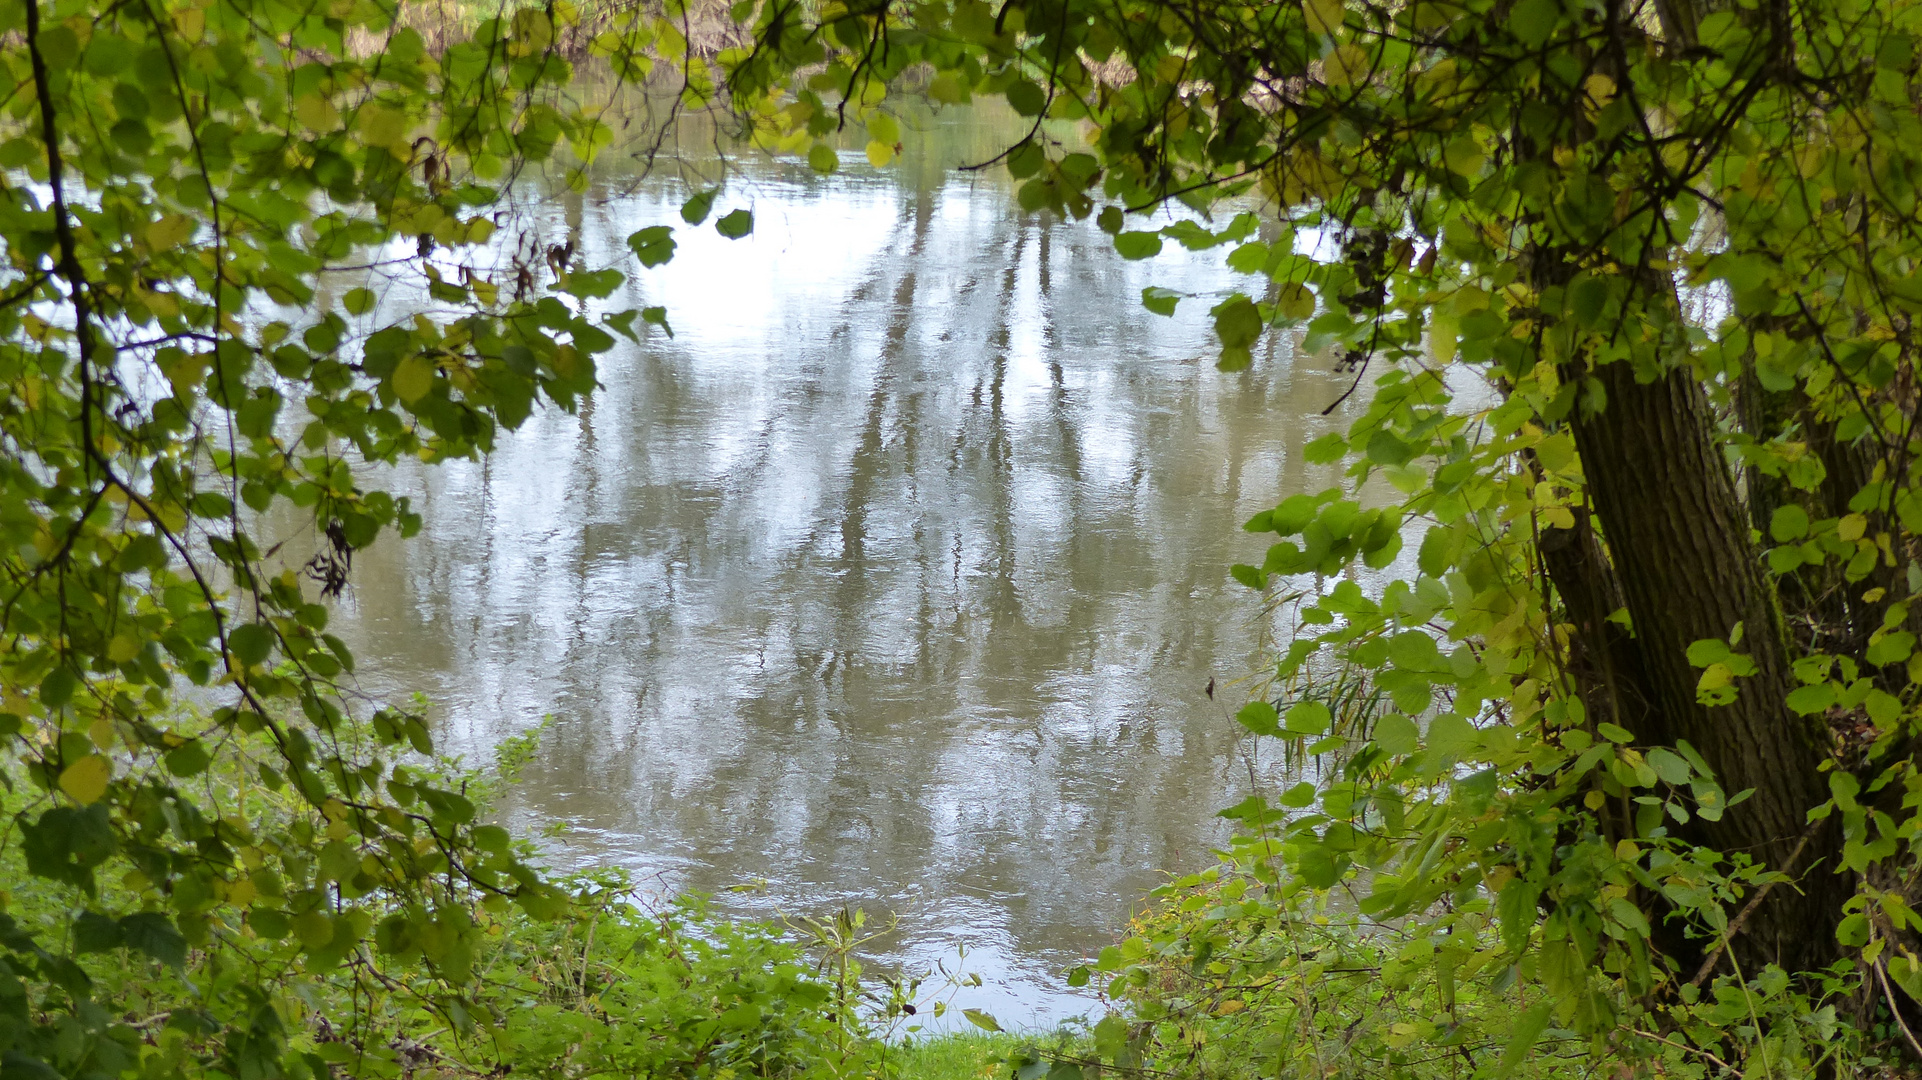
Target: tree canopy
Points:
(1650, 684)
(1631, 286)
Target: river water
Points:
(895, 578)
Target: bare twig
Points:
(1895, 1009)
(1734, 928)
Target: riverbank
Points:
(956, 1057)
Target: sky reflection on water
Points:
(894, 578)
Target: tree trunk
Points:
(1679, 543)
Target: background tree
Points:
(218, 858)
(1659, 632)
(1636, 282)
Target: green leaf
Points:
(1248, 258)
(188, 760)
(1534, 21)
(593, 284)
(1160, 301)
(1191, 235)
(1386, 448)
(59, 46)
(1324, 16)
(153, 933)
(1890, 648)
(823, 159)
(1025, 161)
(1308, 718)
(1789, 523)
(1522, 1037)
(1451, 736)
(1668, 765)
(57, 686)
(981, 1020)
(1708, 651)
(1295, 302)
(1326, 450)
(1844, 788)
(948, 89)
(735, 225)
(695, 209)
(1809, 700)
(1237, 322)
(251, 643)
(1784, 560)
(1258, 717)
(86, 780)
(1853, 930)
(1397, 734)
(1319, 867)
(413, 378)
(1294, 514)
(654, 244)
(1253, 811)
(1415, 650)
(1138, 245)
(1588, 299)
(94, 933)
(1629, 916)
(1026, 98)
(66, 843)
(1463, 155)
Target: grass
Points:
(955, 1057)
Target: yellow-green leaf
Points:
(1465, 157)
(1324, 16)
(413, 378)
(85, 780)
(170, 231)
(1295, 302)
(1347, 65)
(981, 1020)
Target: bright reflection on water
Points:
(895, 578)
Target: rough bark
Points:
(1605, 662)
(1605, 658)
(1679, 544)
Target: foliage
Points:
(1638, 283)
(1229, 977)
(1658, 725)
(616, 988)
(675, 993)
(251, 255)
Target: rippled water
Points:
(895, 578)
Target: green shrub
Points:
(1235, 975)
(608, 986)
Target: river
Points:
(897, 577)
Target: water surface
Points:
(895, 578)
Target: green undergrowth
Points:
(956, 1057)
(614, 984)
(1232, 975)
(1235, 973)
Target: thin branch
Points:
(1741, 919)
